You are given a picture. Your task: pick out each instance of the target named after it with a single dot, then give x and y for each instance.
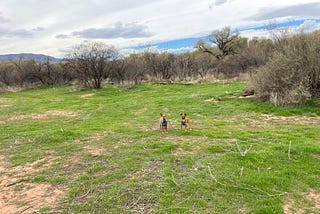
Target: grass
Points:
(106, 152)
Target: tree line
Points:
(283, 69)
(93, 63)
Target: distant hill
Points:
(26, 56)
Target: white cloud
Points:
(19, 33)
(3, 19)
(119, 30)
(310, 25)
(255, 33)
(302, 10)
(155, 49)
(180, 50)
(51, 26)
(220, 2)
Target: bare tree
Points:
(92, 62)
(7, 74)
(27, 71)
(160, 66)
(252, 57)
(118, 74)
(135, 70)
(185, 66)
(204, 65)
(51, 73)
(165, 66)
(225, 41)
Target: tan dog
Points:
(185, 121)
(163, 121)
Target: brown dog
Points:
(163, 121)
(185, 121)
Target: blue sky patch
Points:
(190, 42)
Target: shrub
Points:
(292, 74)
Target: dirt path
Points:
(17, 195)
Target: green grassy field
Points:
(100, 151)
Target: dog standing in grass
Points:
(163, 121)
(185, 121)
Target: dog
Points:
(163, 121)
(185, 122)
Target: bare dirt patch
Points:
(227, 98)
(210, 100)
(314, 197)
(298, 120)
(290, 207)
(5, 106)
(287, 209)
(43, 116)
(244, 209)
(182, 152)
(95, 150)
(86, 95)
(61, 113)
(265, 120)
(5, 100)
(90, 144)
(18, 195)
(316, 156)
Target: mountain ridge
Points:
(28, 56)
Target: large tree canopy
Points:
(225, 43)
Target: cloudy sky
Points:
(52, 27)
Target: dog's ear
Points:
(185, 114)
(161, 114)
(181, 114)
